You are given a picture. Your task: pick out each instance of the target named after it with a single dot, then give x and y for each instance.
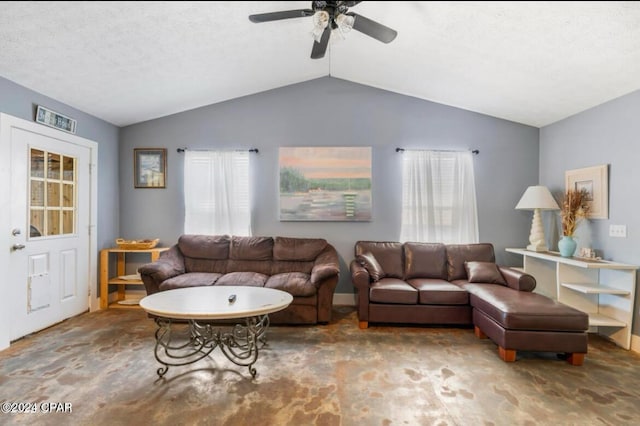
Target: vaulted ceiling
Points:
(126, 62)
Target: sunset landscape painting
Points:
(325, 184)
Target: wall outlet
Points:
(618, 231)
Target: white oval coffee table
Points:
(199, 307)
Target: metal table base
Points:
(198, 339)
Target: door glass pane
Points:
(53, 194)
(67, 195)
(53, 222)
(67, 222)
(37, 193)
(53, 166)
(37, 223)
(68, 166)
(37, 163)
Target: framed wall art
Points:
(595, 180)
(55, 119)
(325, 183)
(149, 167)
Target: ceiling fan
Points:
(328, 16)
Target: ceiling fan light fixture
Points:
(328, 16)
(320, 22)
(345, 22)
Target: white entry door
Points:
(49, 262)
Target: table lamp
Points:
(537, 198)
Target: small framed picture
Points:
(149, 167)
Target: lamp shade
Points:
(537, 197)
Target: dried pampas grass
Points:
(574, 208)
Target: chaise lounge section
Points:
(460, 284)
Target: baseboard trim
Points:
(635, 343)
(344, 299)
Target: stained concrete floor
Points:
(102, 365)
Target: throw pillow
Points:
(484, 272)
(369, 262)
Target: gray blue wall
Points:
(21, 102)
(607, 134)
(333, 112)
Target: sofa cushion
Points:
(295, 283)
(523, 310)
(218, 266)
(425, 260)
(253, 279)
(190, 279)
(393, 290)
(260, 266)
(369, 262)
(434, 291)
(282, 266)
(251, 248)
(457, 254)
(204, 246)
(388, 254)
(297, 249)
(484, 272)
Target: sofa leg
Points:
(479, 333)
(363, 324)
(575, 358)
(507, 355)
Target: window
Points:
(438, 197)
(52, 188)
(216, 193)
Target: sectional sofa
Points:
(460, 284)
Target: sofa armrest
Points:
(359, 276)
(169, 264)
(361, 281)
(517, 279)
(324, 275)
(326, 266)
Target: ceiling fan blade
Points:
(319, 49)
(284, 14)
(373, 29)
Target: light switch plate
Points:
(618, 231)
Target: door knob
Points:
(18, 246)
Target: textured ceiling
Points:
(126, 62)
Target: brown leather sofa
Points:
(307, 268)
(460, 284)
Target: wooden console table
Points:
(604, 290)
(106, 278)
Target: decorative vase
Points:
(567, 246)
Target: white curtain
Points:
(438, 197)
(216, 193)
